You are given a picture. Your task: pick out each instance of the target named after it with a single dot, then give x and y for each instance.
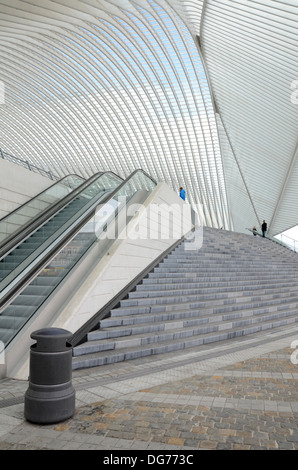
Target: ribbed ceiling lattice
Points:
(118, 85)
(109, 85)
(250, 50)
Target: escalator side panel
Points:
(23, 215)
(65, 259)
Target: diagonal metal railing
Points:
(26, 164)
(291, 244)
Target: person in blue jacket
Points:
(182, 193)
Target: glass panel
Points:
(20, 260)
(14, 222)
(26, 304)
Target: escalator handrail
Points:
(29, 228)
(9, 240)
(48, 256)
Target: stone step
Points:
(208, 276)
(196, 316)
(199, 316)
(216, 281)
(199, 270)
(226, 266)
(231, 255)
(203, 301)
(224, 270)
(228, 259)
(176, 334)
(155, 324)
(234, 286)
(143, 291)
(136, 351)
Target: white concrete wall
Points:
(84, 294)
(18, 185)
(129, 255)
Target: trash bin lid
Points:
(51, 339)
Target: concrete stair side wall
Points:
(147, 235)
(18, 185)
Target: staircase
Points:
(235, 285)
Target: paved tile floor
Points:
(241, 395)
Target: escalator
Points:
(31, 271)
(13, 226)
(35, 236)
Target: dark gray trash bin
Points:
(50, 397)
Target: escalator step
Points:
(6, 334)
(19, 311)
(38, 290)
(8, 323)
(22, 252)
(27, 300)
(45, 281)
(12, 264)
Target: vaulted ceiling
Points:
(198, 93)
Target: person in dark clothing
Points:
(182, 193)
(264, 228)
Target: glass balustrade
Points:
(102, 211)
(16, 220)
(22, 259)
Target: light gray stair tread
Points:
(180, 332)
(168, 346)
(205, 305)
(234, 286)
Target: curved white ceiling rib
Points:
(250, 48)
(111, 85)
(119, 84)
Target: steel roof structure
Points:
(199, 93)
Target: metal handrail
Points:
(40, 194)
(291, 246)
(46, 258)
(11, 242)
(275, 240)
(28, 165)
